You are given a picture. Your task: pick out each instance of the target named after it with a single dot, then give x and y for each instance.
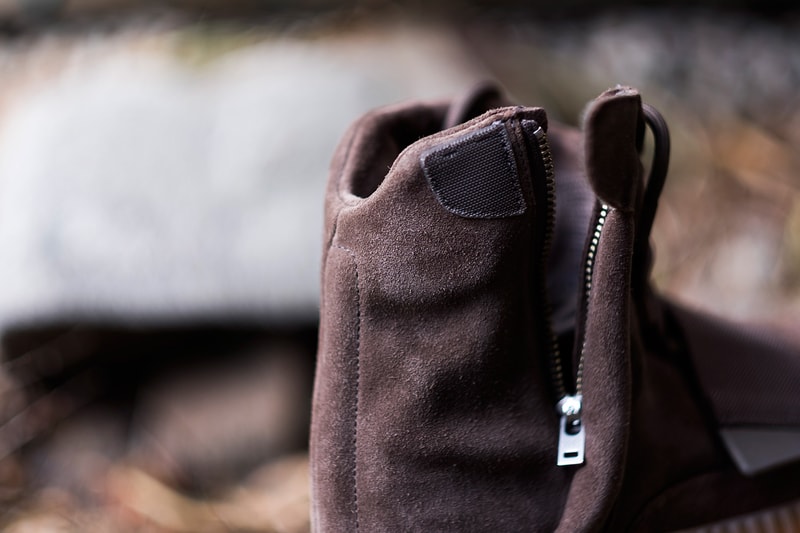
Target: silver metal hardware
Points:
(572, 435)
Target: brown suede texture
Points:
(606, 383)
(671, 437)
(705, 376)
(446, 421)
(761, 388)
(609, 128)
(336, 384)
(678, 474)
(434, 408)
(612, 159)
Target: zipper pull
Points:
(571, 437)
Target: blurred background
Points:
(161, 174)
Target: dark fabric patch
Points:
(475, 176)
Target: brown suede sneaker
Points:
(489, 363)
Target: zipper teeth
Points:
(588, 276)
(556, 367)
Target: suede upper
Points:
(444, 271)
(444, 365)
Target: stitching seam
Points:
(358, 385)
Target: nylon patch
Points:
(476, 176)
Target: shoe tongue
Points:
(473, 103)
(613, 130)
(575, 201)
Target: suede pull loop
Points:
(611, 127)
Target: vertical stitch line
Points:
(358, 386)
(358, 391)
(354, 135)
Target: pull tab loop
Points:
(653, 187)
(658, 169)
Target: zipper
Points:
(553, 349)
(572, 435)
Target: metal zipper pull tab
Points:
(571, 437)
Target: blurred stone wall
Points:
(173, 166)
(176, 174)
